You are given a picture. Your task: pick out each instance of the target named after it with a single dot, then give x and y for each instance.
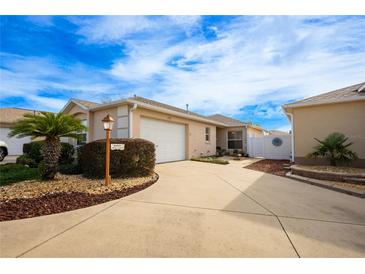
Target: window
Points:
(83, 135)
(207, 134)
(82, 140)
(234, 139)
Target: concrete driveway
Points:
(201, 210)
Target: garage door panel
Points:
(169, 139)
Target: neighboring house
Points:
(7, 118)
(342, 110)
(178, 134)
(235, 134)
(277, 132)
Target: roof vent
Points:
(187, 107)
(361, 88)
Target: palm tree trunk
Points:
(51, 153)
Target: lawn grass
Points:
(212, 160)
(12, 173)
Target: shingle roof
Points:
(354, 92)
(87, 104)
(218, 119)
(10, 115)
(226, 120)
(158, 104)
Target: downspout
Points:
(130, 124)
(246, 131)
(292, 135)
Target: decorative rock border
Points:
(22, 208)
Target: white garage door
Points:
(169, 139)
(15, 145)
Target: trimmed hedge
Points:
(137, 158)
(33, 150)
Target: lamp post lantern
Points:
(108, 126)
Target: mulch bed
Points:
(275, 167)
(21, 208)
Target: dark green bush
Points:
(69, 169)
(67, 153)
(34, 151)
(26, 160)
(137, 159)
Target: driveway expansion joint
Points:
(67, 229)
(258, 203)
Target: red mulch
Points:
(60, 202)
(275, 167)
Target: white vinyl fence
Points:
(270, 146)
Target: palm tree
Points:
(51, 127)
(334, 149)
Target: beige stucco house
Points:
(8, 116)
(342, 110)
(177, 133)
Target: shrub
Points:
(67, 153)
(69, 169)
(137, 158)
(34, 151)
(334, 149)
(26, 160)
(220, 151)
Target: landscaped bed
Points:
(213, 160)
(67, 192)
(276, 167)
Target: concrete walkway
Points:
(201, 210)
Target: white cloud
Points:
(252, 63)
(263, 61)
(40, 81)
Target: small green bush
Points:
(26, 160)
(34, 151)
(69, 169)
(137, 158)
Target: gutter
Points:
(175, 113)
(159, 109)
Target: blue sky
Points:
(241, 66)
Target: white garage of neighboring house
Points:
(8, 116)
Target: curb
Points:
(309, 181)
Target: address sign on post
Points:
(117, 146)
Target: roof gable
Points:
(226, 120)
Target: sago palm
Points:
(50, 126)
(335, 149)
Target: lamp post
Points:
(108, 126)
